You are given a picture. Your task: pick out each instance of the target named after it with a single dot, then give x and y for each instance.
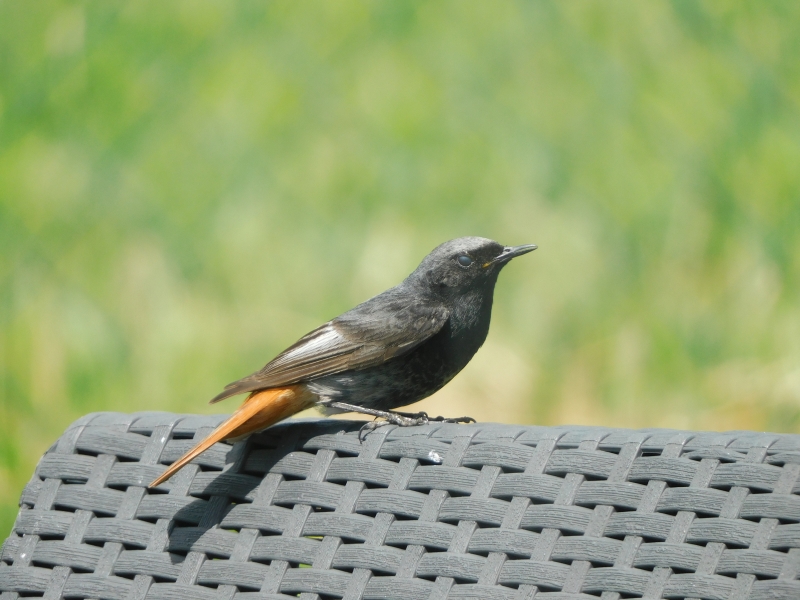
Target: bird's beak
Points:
(510, 252)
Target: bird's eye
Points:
(464, 260)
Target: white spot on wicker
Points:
(435, 457)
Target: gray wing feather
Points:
(368, 335)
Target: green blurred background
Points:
(187, 187)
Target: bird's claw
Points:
(368, 427)
(456, 420)
(393, 418)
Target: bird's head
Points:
(464, 264)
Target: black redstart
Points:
(392, 350)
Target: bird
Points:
(389, 351)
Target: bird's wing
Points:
(368, 335)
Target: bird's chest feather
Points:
(470, 316)
(464, 332)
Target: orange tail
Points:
(261, 409)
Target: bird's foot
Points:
(400, 419)
(429, 419)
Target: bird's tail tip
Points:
(261, 409)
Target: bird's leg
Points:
(401, 419)
(388, 416)
(436, 419)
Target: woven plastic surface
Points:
(440, 511)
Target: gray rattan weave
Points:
(439, 511)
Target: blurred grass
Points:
(187, 187)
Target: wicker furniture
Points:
(439, 511)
